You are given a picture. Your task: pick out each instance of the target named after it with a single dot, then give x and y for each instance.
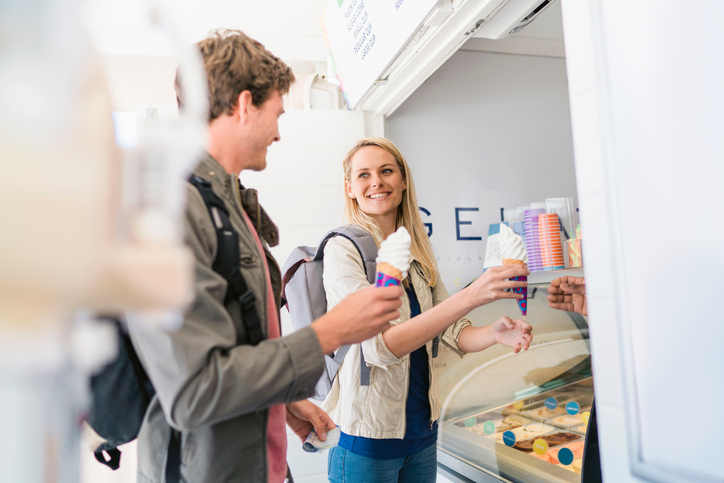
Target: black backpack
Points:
(122, 391)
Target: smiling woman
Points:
(396, 440)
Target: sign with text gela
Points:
(365, 36)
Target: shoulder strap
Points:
(227, 261)
(367, 248)
(363, 241)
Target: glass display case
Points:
(518, 417)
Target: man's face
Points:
(263, 130)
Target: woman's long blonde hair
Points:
(408, 213)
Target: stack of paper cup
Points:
(532, 245)
(549, 237)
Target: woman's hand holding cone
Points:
(494, 285)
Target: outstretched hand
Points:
(303, 416)
(568, 293)
(514, 333)
(494, 284)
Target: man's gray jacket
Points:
(214, 391)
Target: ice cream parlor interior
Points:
(539, 118)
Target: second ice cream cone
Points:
(522, 303)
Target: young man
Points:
(220, 407)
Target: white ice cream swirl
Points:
(395, 250)
(511, 245)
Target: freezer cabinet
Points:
(518, 417)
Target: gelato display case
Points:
(518, 417)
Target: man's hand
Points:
(358, 317)
(303, 416)
(492, 285)
(568, 293)
(514, 333)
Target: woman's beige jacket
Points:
(378, 410)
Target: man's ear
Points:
(243, 105)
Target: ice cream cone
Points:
(393, 258)
(522, 303)
(387, 275)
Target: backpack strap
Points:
(173, 458)
(227, 261)
(363, 241)
(436, 345)
(367, 248)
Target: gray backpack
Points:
(303, 290)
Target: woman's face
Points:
(376, 182)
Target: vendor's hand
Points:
(568, 293)
(494, 283)
(303, 416)
(514, 333)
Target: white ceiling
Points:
(289, 28)
(543, 36)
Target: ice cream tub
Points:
(543, 413)
(509, 423)
(553, 439)
(529, 431)
(481, 418)
(566, 420)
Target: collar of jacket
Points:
(225, 184)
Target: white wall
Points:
(485, 131)
(647, 108)
(302, 187)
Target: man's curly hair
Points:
(235, 63)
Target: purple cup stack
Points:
(532, 243)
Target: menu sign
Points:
(365, 36)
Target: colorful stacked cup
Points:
(532, 245)
(549, 238)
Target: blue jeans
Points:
(346, 467)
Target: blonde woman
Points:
(389, 428)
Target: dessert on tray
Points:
(526, 432)
(554, 439)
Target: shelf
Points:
(545, 277)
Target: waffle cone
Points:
(513, 261)
(387, 269)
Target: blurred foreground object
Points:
(71, 238)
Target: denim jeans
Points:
(346, 467)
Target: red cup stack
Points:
(549, 237)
